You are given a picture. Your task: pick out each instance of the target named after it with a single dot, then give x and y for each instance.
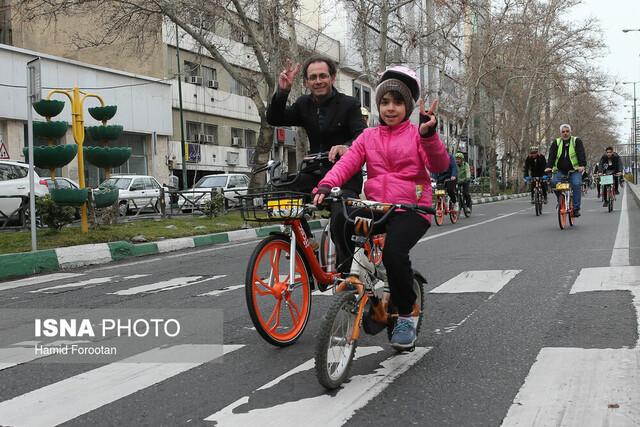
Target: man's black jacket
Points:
(535, 164)
(616, 163)
(337, 120)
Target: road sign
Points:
(35, 76)
(4, 154)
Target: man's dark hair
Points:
(608, 148)
(333, 70)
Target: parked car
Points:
(136, 191)
(232, 184)
(14, 181)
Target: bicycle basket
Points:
(606, 180)
(440, 192)
(562, 186)
(272, 206)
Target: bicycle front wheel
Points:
(334, 348)
(570, 211)
(279, 310)
(440, 211)
(562, 212)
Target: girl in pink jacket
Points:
(399, 156)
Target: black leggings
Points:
(403, 229)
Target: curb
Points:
(52, 260)
(635, 190)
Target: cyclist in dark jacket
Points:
(611, 162)
(450, 174)
(331, 119)
(534, 166)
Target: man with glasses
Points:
(567, 159)
(534, 166)
(331, 119)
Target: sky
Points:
(623, 57)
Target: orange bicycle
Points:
(364, 301)
(565, 203)
(444, 205)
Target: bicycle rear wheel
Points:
(562, 212)
(570, 211)
(334, 348)
(537, 200)
(610, 199)
(279, 313)
(453, 214)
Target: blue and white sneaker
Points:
(404, 334)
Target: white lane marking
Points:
(620, 253)
(48, 406)
(323, 410)
(136, 276)
(326, 293)
(221, 291)
(167, 285)
(623, 278)
(579, 387)
(37, 280)
(476, 281)
(81, 284)
(79, 256)
(165, 257)
(458, 229)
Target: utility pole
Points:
(182, 141)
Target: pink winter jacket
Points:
(398, 164)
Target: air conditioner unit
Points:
(210, 139)
(202, 137)
(213, 84)
(235, 141)
(196, 80)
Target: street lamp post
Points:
(634, 135)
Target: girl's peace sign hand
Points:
(287, 76)
(428, 120)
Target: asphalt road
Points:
(525, 325)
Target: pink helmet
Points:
(406, 75)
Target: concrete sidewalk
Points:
(51, 260)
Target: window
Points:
(137, 185)
(236, 181)
(190, 69)
(193, 130)
(58, 183)
(238, 89)
(236, 137)
(150, 184)
(250, 138)
(136, 165)
(209, 73)
(211, 132)
(366, 98)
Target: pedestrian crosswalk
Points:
(565, 386)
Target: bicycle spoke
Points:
(276, 314)
(295, 316)
(275, 262)
(268, 290)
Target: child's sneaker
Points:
(404, 334)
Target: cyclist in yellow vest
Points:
(567, 154)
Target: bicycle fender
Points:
(304, 259)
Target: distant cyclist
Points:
(567, 159)
(611, 163)
(464, 178)
(448, 180)
(534, 166)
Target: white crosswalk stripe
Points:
(36, 280)
(477, 281)
(324, 409)
(81, 284)
(77, 395)
(167, 285)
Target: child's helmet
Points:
(406, 75)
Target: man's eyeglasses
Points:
(314, 77)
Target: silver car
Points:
(232, 184)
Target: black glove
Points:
(322, 189)
(424, 118)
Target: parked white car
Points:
(136, 191)
(14, 181)
(61, 182)
(233, 184)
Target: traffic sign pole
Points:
(34, 94)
